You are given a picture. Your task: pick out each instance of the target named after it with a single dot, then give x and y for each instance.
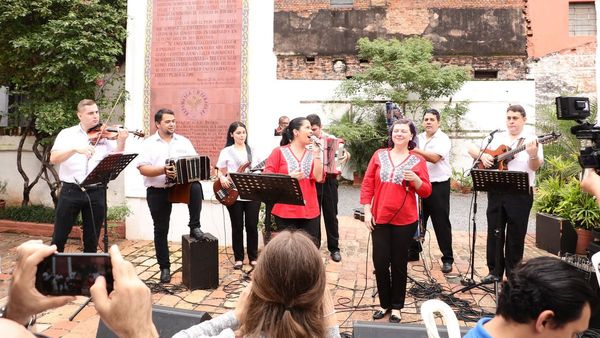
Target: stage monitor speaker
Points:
(554, 234)
(168, 321)
(200, 262)
(363, 329)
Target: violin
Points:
(103, 131)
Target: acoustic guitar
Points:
(503, 154)
(228, 196)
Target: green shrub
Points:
(44, 214)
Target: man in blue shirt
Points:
(543, 297)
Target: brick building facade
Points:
(310, 37)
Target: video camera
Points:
(578, 108)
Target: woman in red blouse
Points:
(392, 178)
(299, 160)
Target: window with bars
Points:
(582, 19)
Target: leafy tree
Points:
(55, 53)
(399, 71)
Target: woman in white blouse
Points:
(243, 213)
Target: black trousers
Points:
(244, 214)
(160, 209)
(327, 193)
(510, 214)
(437, 206)
(309, 225)
(71, 202)
(390, 259)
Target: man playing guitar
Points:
(510, 210)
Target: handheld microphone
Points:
(315, 140)
(406, 185)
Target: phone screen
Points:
(72, 273)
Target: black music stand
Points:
(107, 170)
(514, 182)
(270, 188)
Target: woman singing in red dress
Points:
(300, 158)
(392, 178)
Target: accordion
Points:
(334, 150)
(189, 169)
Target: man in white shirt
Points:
(165, 144)
(434, 146)
(507, 212)
(327, 191)
(76, 158)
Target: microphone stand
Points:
(469, 283)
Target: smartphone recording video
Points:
(72, 273)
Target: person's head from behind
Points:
(547, 295)
(236, 134)
(164, 120)
(299, 130)
(287, 290)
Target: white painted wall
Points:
(270, 98)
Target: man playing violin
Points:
(510, 212)
(76, 158)
(157, 149)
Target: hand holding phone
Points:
(72, 273)
(24, 300)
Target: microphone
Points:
(406, 185)
(496, 131)
(315, 140)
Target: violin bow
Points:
(110, 115)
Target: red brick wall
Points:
(315, 5)
(296, 67)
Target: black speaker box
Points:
(200, 260)
(554, 234)
(363, 329)
(168, 321)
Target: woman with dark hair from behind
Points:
(287, 298)
(299, 157)
(392, 178)
(243, 213)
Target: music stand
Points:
(269, 188)
(514, 182)
(107, 170)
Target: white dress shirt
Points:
(439, 143)
(76, 168)
(155, 151)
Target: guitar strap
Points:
(249, 151)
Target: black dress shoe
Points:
(489, 279)
(197, 233)
(336, 256)
(395, 319)
(165, 275)
(379, 314)
(446, 267)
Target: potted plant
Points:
(554, 233)
(363, 134)
(460, 182)
(2, 194)
(581, 210)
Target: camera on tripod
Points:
(578, 108)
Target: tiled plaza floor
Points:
(351, 281)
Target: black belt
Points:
(86, 187)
